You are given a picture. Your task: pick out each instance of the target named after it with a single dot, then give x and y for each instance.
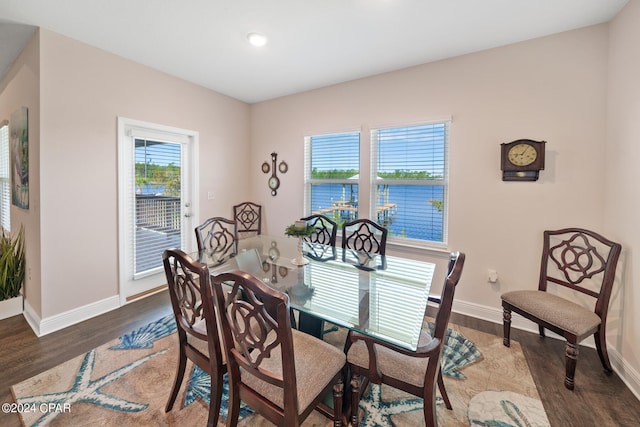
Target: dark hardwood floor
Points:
(598, 399)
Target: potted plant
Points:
(299, 229)
(12, 272)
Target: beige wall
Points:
(562, 88)
(83, 91)
(21, 88)
(622, 199)
(551, 88)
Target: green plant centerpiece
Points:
(299, 229)
(12, 264)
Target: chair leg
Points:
(338, 390)
(506, 326)
(601, 346)
(355, 399)
(443, 391)
(215, 399)
(233, 412)
(571, 353)
(429, 404)
(177, 382)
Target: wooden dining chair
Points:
(216, 236)
(189, 285)
(281, 373)
(248, 218)
(414, 372)
(584, 263)
(364, 235)
(325, 229)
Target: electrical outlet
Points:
(492, 276)
(211, 195)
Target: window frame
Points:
(443, 182)
(308, 168)
(368, 183)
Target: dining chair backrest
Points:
(364, 235)
(454, 271)
(216, 237)
(248, 218)
(325, 229)
(189, 284)
(262, 365)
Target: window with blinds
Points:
(5, 182)
(409, 181)
(332, 174)
(157, 194)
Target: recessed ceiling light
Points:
(257, 39)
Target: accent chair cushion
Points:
(555, 310)
(392, 364)
(316, 361)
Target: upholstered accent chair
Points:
(416, 372)
(577, 265)
(248, 218)
(189, 285)
(281, 373)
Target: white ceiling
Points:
(312, 43)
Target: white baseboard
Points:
(620, 366)
(60, 321)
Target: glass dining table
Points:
(380, 296)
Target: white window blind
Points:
(409, 181)
(157, 194)
(5, 182)
(332, 174)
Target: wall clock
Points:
(522, 160)
(274, 181)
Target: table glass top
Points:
(381, 296)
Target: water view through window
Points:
(410, 183)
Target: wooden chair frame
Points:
(326, 229)
(432, 351)
(580, 255)
(217, 237)
(364, 235)
(189, 284)
(256, 327)
(248, 218)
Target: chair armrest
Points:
(428, 350)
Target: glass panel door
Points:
(158, 202)
(157, 182)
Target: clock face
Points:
(274, 183)
(522, 154)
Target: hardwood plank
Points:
(23, 354)
(598, 399)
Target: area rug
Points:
(126, 383)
